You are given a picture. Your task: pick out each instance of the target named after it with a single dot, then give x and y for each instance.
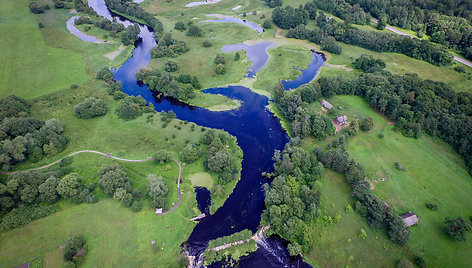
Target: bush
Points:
(161, 156)
(432, 206)
(220, 59)
(399, 166)
(36, 8)
(267, 24)
(367, 124)
(105, 74)
(457, 228)
(237, 56)
(157, 189)
(180, 26)
(194, 30)
(459, 69)
(420, 261)
(220, 69)
(74, 86)
(40, 25)
(58, 4)
(91, 107)
(381, 135)
(74, 249)
(190, 153)
(130, 107)
(331, 45)
(207, 43)
(170, 66)
(136, 206)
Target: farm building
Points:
(326, 104)
(341, 120)
(409, 219)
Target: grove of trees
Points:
(91, 107)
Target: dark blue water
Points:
(308, 74)
(258, 132)
(203, 199)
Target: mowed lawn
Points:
(116, 236)
(30, 68)
(435, 173)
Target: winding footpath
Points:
(109, 155)
(388, 27)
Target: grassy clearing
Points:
(282, 66)
(338, 244)
(202, 179)
(27, 57)
(435, 173)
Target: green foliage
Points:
(399, 166)
(123, 196)
(289, 17)
(26, 214)
(207, 43)
(161, 156)
(136, 206)
(331, 45)
(195, 31)
(457, 228)
(74, 249)
(169, 84)
(169, 47)
(91, 107)
(367, 124)
(157, 189)
(239, 236)
(220, 59)
(273, 3)
(112, 177)
(294, 249)
(70, 186)
(36, 8)
(220, 69)
(321, 126)
(237, 56)
(267, 24)
(170, 66)
(130, 107)
(362, 234)
(369, 64)
(190, 153)
(180, 26)
(404, 263)
(105, 74)
(432, 206)
(13, 106)
(47, 190)
(131, 35)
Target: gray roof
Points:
(409, 219)
(326, 104)
(341, 119)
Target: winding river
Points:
(259, 134)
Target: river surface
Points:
(259, 134)
(224, 18)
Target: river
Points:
(259, 134)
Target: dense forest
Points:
(329, 29)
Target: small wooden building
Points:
(326, 104)
(409, 219)
(341, 120)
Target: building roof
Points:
(341, 119)
(409, 219)
(326, 104)
(158, 210)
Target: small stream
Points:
(258, 132)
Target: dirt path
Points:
(116, 158)
(115, 53)
(338, 67)
(458, 59)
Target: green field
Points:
(282, 66)
(30, 66)
(435, 173)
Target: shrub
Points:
(74, 86)
(220, 59)
(91, 107)
(26, 214)
(58, 4)
(40, 25)
(161, 156)
(130, 107)
(157, 189)
(362, 234)
(74, 249)
(136, 206)
(237, 56)
(194, 30)
(220, 69)
(170, 66)
(207, 43)
(267, 24)
(180, 26)
(432, 206)
(459, 69)
(420, 261)
(36, 8)
(105, 74)
(190, 153)
(329, 44)
(367, 124)
(457, 228)
(399, 166)
(381, 135)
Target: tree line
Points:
(329, 30)
(133, 9)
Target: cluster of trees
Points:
(457, 228)
(161, 157)
(218, 158)
(24, 191)
(74, 250)
(444, 25)
(80, 6)
(194, 30)
(180, 26)
(415, 105)
(181, 87)
(91, 107)
(293, 106)
(131, 35)
(169, 47)
(375, 41)
(369, 64)
(293, 198)
(37, 8)
(157, 189)
(288, 17)
(240, 250)
(131, 107)
(343, 9)
(133, 9)
(114, 181)
(220, 61)
(379, 214)
(23, 137)
(273, 3)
